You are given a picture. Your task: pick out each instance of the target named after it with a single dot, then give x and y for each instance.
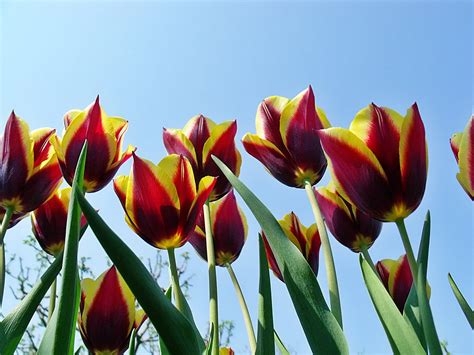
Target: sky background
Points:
(159, 64)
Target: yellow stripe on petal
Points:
(216, 133)
(128, 297)
(466, 158)
(332, 196)
(272, 104)
(70, 133)
(189, 127)
(179, 137)
(455, 142)
(57, 145)
(322, 116)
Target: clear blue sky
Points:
(158, 64)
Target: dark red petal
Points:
(402, 283)
(108, 324)
(383, 272)
(198, 132)
(174, 145)
(41, 144)
(279, 166)
(413, 159)
(40, 187)
(271, 258)
(269, 116)
(228, 230)
(14, 158)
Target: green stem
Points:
(408, 249)
(328, 258)
(52, 299)
(178, 294)
(211, 262)
(245, 310)
(365, 252)
(3, 230)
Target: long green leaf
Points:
(163, 349)
(60, 339)
(322, 331)
(131, 347)
(280, 345)
(173, 327)
(411, 311)
(265, 341)
(468, 312)
(211, 338)
(13, 326)
(401, 335)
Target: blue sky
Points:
(158, 64)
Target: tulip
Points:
(49, 222)
(229, 231)
(397, 279)
(380, 164)
(306, 240)
(287, 141)
(104, 137)
(107, 314)
(226, 351)
(351, 227)
(462, 144)
(29, 172)
(198, 141)
(161, 201)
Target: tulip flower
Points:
(397, 279)
(380, 164)
(161, 201)
(226, 351)
(462, 144)
(104, 137)
(198, 141)
(351, 227)
(306, 240)
(107, 314)
(49, 222)
(287, 141)
(229, 231)
(29, 171)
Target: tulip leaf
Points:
(401, 335)
(468, 312)
(210, 342)
(265, 333)
(131, 347)
(280, 345)
(171, 325)
(14, 325)
(60, 339)
(322, 331)
(163, 349)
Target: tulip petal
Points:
(413, 160)
(400, 281)
(206, 185)
(108, 312)
(294, 230)
(299, 127)
(313, 244)
(379, 128)
(455, 142)
(272, 158)
(176, 142)
(153, 204)
(41, 146)
(70, 116)
(272, 263)
(268, 119)
(198, 130)
(356, 172)
(197, 239)
(222, 145)
(229, 229)
(16, 160)
(466, 159)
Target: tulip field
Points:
(358, 181)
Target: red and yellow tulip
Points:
(161, 201)
(29, 171)
(104, 137)
(226, 351)
(107, 314)
(351, 227)
(397, 279)
(462, 144)
(198, 141)
(380, 164)
(49, 222)
(229, 231)
(287, 141)
(307, 240)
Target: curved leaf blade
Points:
(322, 331)
(468, 312)
(172, 326)
(401, 335)
(14, 325)
(265, 333)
